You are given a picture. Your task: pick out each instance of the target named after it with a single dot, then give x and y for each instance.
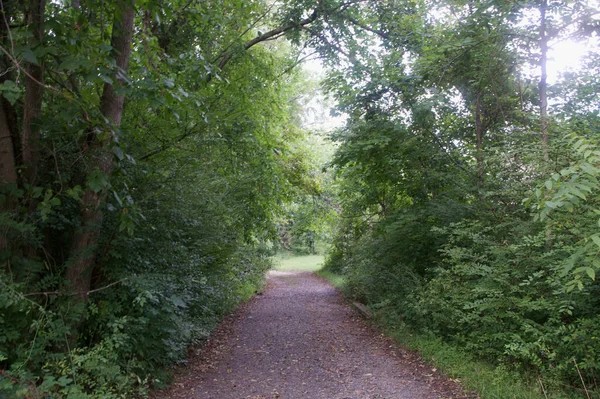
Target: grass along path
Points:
(299, 263)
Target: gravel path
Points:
(301, 340)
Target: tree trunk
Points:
(34, 90)
(8, 162)
(8, 167)
(479, 131)
(543, 84)
(85, 240)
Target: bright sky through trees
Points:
(567, 55)
(564, 56)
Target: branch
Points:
(449, 63)
(297, 62)
(280, 31)
(61, 293)
(267, 36)
(329, 44)
(521, 35)
(166, 146)
(378, 32)
(20, 68)
(225, 52)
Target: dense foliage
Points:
(153, 155)
(311, 214)
(147, 154)
(469, 183)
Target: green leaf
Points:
(75, 193)
(97, 181)
(183, 92)
(578, 144)
(591, 273)
(169, 83)
(105, 47)
(10, 91)
(106, 79)
(118, 198)
(28, 55)
(577, 193)
(596, 239)
(37, 192)
(118, 153)
(71, 63)
(64, 381)
(589, 169)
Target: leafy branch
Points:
(86, 293)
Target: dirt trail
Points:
(301, 340)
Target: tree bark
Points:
(8, 169)
(543, 86)
(83, 249)
(32, 106)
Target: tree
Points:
(447, 134)
(81, 265)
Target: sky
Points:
(563, 56)
(567, 55)
(319, 117)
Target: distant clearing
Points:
(307, 262)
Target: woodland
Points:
(155, 155)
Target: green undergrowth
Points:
(155, 318)
(490, 382)
(249, 289)
(336, 280)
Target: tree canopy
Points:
(153, 157)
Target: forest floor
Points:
(300, 339)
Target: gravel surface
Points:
(299, 339)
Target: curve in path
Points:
(301, 340)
